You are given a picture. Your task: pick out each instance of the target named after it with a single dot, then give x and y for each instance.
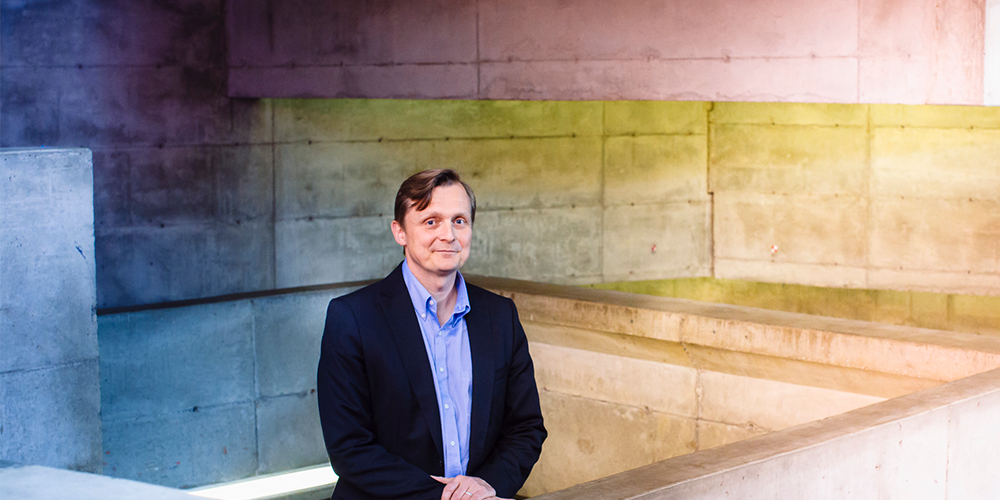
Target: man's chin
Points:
(449, 266)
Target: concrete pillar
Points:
(49, 383)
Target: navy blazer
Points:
(377, 402)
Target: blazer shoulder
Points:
(371, 293)
(363, 294)
(482, 296)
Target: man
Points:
(426, 388)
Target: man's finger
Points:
(452, 486)
(463, 487)
(481, 495)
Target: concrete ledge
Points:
(726, 338)
(625, 380)
(629, 380)
(312, 483)
(34, 482)
(257, 416)
(933, 444)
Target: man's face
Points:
(437, 238)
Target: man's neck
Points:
(442, 290)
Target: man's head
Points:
(416, 191)
(433, 221)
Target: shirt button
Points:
(446, 406)
(441, 369)
(453, 443)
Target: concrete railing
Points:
(36, 482)
(208, 392)
(629, 380)
(221, 390)
(938, 443)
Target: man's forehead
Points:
(445, 198)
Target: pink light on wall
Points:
(843, 51)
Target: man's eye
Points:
(429, 222)
(460, 221)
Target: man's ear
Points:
(398, 233)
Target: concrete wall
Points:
(198, 194)
(49, 386)
(213, 392)
(877, 197)
(953, 312)
(885, 197)
(568, 192)
(182, 187)
(883, 51)
(934, 444)
(627, 380)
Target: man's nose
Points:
(448, 233)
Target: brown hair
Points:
(416, 191)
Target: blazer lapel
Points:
(482, 347)
(405, 331)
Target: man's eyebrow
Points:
(427, 215)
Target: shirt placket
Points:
(452, 446)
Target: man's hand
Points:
(466, 488)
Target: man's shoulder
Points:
(370, 293)
(483, 296)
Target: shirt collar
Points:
(424, 304)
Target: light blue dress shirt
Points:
(451, 363)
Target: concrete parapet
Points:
(953, 312)
(44, 483)
(933, 444)
(212, 392)
(914, 353)
(670, 376)
(625, 380)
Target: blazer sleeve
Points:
(345, 408)
(522, 432)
